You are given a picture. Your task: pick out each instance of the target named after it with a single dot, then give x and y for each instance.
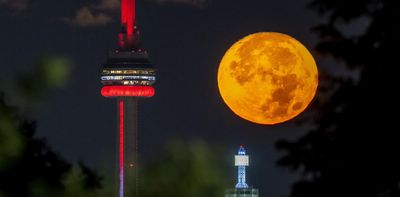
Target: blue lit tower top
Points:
(241, 161)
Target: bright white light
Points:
(128, 77)
(241, 160)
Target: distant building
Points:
(241, 189)
(244, 192)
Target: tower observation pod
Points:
(127, 76)
(241, 189)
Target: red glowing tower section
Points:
(128, 15)
(128, 71)
(127, 38)
(137, 91)
(127, 76)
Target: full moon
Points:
(267, 78)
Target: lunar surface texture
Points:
(267, 78)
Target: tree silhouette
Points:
(354, 148)
(28, 166)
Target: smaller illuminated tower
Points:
(241, 161)
(241, 188)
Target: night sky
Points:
(186, 41)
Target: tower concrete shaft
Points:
(127, 147)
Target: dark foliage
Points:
(28, 166)
(353, 151)
(37, 162)
(35, 165)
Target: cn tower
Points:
(127, 76)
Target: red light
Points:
(127, 91)
(121, 148)
(127, 39)
(128, 16)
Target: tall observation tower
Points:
(126, 77)
(241, 189)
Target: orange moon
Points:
(267, 78)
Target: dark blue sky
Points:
(186, 44)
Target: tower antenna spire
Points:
(127, 39)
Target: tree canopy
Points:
(353, 149)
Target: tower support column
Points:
(127, 147)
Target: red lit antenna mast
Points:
(128, 20)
